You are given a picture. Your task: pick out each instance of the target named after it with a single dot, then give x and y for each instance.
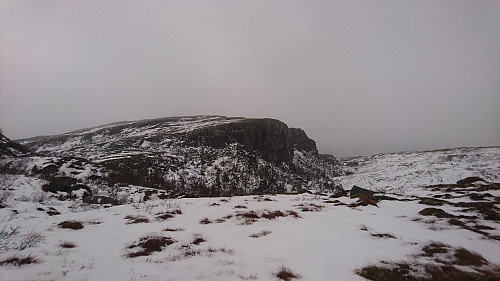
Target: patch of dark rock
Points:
(356, 190)
(445, 196)
(48, 170)
(436, 212)
(75, 225)
(468, 181)
(63, 184)
(479, 196)
(53, 213)
(432, 202)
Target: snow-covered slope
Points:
(407, 171)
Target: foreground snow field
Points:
(317, 237)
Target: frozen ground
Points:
(324, 240)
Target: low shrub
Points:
(150, 244)
(285, 273)
(173, 229)
(383, 235)
(68, 245)
(17, 261)
(205, 221)
(440, 213)
(30, 240)
(198, 240)
(435, 248)
(136, 219)
(465, 257)
(398, 272)
(432, 202)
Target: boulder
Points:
(356, 190)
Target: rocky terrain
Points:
(120, 202)
(195, 156)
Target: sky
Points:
(360, 77)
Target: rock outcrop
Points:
(300, 141)
(269, 137)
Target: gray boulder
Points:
(356, 190)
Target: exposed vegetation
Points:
(149, 244)
(285, 273)
(75, 225)
(19, 261)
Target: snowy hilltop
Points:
(219, 198)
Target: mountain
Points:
(195, 156)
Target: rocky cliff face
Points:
(271, 138)
(300, 141)
(202, 155)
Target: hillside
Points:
(89, 205)
(199, 156)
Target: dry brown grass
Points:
(150, 244)
(68, 245)
(310, 207)
(383, 235)
(18, 261)
(173, 229)
(465, 257)
(285, 273)
(442, 269)
(136, 219)
(435, 248)
(205, 221)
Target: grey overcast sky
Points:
(360, 77)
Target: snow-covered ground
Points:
(328, 243)
(251, 237)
